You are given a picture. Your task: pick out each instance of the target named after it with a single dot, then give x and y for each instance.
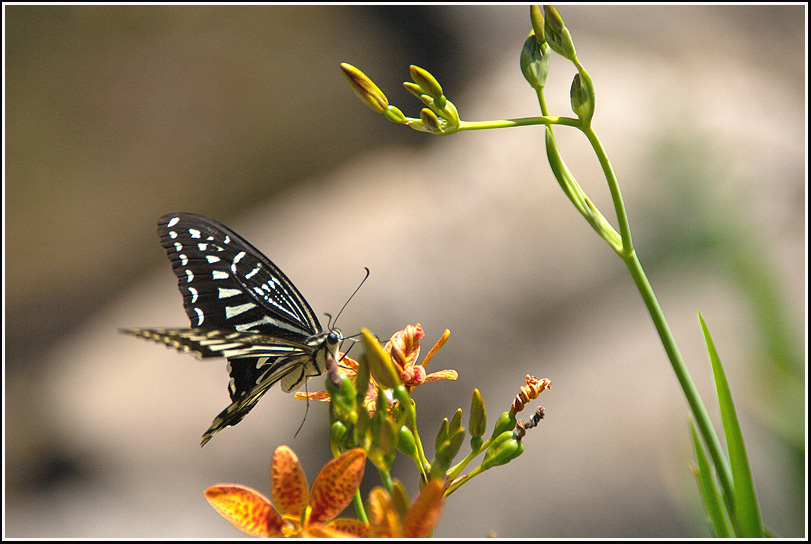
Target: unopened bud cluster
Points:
(438, 117)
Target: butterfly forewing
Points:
(228, 284)
(243, 308)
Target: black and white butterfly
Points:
(243, 308)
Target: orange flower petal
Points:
(441, 375)
(335, 485)
(383, 519)
(424, 512)
(246, 509)
(288, 484)
(404, 345)
(349, 527)
(314, 395)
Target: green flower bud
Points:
(442, 435)
(478, 415)
(506, 422)
(582, 96)
(454, 443)
(394, 115)
(406, 404)
(364, 88)
(536, 16)
(439, 468)
(430, 121)
(362, 380)
(426, 81)
(406, 442)
(476, 443)
(557, 35)
(342, 399)
(535, 59)
(414, 89)
(337, 433)
(456, 422)
(380, 365)
(504, 449)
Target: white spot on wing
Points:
(224, 292)
(172, 222)
(193, 292)
(194, 233)
(253, 272)
(189, 276)
(200, 316)
(232, 311)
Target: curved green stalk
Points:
(523, 122)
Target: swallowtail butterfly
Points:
(243, 308)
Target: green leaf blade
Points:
(747, 511)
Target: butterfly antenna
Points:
(350, 298)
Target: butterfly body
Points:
(243, 308)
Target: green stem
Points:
(423, 461)
(523, 122)
(385, 476)
(614, 188)
(454, 471)
(357, 501)
(693, 399)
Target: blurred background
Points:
(116, 115)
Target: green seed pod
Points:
(506, 422)
(406, 442)
(504, 449)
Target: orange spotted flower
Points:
(387, 519)
(404, 349)
(298, 511)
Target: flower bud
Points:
(536, 16)
(380, 365)
(582, 97)
(430, 120)
(426, 81)
(456, 422)
(337, 433)
(504, 449)
(364, 88)
(342, 397)
(478, 415)
(442, 435)
(557, 35)
(535, 59)
(394, 115)
(406, 442)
